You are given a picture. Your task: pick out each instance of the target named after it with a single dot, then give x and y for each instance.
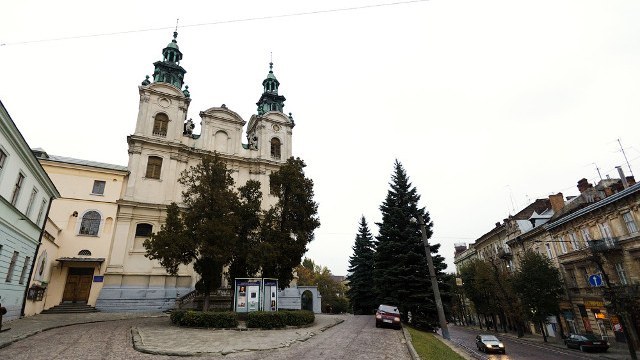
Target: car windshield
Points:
(489, 338)
(388, 309)
(590, 337)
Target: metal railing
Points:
(604, 244)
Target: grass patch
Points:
(428, 347)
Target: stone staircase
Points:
(70, 308)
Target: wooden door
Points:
(78, 285)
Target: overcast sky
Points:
(487, 104)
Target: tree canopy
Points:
(219, 227)
(288, 226)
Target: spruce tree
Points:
(401, 275)
(361, 292)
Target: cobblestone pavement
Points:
(356, 338)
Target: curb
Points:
(412, 351)
(38, 331)
(138, 344)
(457, 349)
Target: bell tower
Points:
(168, 70)
(270, 100)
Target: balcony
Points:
(604, 245)
(505, 254)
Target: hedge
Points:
(280, 319)
(206, 319)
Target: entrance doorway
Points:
(78, 285)
(307, 300)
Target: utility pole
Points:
(434, 280)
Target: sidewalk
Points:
(28, 326)
(617, 351)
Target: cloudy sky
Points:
(487, 104)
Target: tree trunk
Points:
(520, 328)
(207, 298)
(544, 334)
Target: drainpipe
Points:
(33, 262)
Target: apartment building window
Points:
(23, 273)
(3, 158)
(32, 199)
(605, 230)
(41, 211)
(563, 245)
(549, 251)
(154, 165)
(98, 187)
(16, 189)
(621, 274)
(12, 266)
(585, 274)
(574, 241)
(573, 281)
(586, 235)
(630, 222)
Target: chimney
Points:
(631, 180)
(557, 200)
(498, 224)
(583, 185)
(625, 184)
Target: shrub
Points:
(280, 319)
(206, 319)
(177, 315)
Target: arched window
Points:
(144, 230)
(84, 252)
(275, 148)
(90, 223)
(154, 165)
(160, 124)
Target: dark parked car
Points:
(586, 342)
(388, 315)
(488, 343)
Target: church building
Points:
(160, 148)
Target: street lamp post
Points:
(434, 280)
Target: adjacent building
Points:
(76, 243)
(594, 240)
(26, 193)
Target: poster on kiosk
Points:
(270, 294)
(255, 294)
(247, 295)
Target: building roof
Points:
(602, 203)
(41, 154)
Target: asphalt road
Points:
(356, 338)
(516, 349)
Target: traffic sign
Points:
(595, 280)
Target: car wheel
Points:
(377, 325)
(581, 348)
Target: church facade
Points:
(161, 147)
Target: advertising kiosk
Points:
(255, 294)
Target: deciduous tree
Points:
(289, 225)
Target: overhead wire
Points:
(256, 18)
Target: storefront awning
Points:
(81, 259)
